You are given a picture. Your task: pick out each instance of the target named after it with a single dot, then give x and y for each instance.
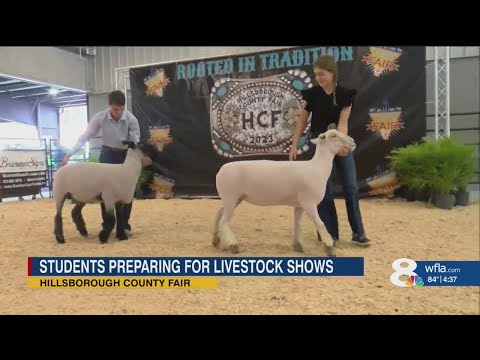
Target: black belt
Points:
(113, 149)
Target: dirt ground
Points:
(183, 228)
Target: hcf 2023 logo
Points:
(412, 279)
(257, 116)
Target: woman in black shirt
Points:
(330, 105)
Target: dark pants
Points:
(345, 166)
(110, 156)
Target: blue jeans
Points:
(345, 165)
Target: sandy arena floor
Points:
(396, 228)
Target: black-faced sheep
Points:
(89, 182)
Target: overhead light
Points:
(53, 91)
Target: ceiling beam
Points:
(69, 105)
(67, 101)
(71, 97)
(39, 92)
(19, 87)
(6, 81)
(50, 98)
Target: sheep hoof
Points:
(234, 249)
(84, 233)
(122, 237)
(216, 240)
(60, 239)
(103, 236)
(297, 247)
(330, 251)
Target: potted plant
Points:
(399, 162)
(435, 169)
(409, 164)
(420, 182)
(443, 171)
(466, 169)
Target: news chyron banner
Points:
(435, 273)
(175, 272)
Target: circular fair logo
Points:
(257, 116)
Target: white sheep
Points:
(90, 182)
(300, 184)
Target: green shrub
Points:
(410, 163)
(144, 174)
(439, 166)
(466, 166)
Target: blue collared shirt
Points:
(113, 132)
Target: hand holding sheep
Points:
(146, 161)
(343, 151)
(293, 153)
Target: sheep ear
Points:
(130, 144)
(320, 137)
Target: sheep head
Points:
(145, 149)
(149, 150)
(131, 144)
(336, 140)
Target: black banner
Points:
(206, 112)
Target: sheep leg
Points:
(121, 235)
(109, 220)
(297, 232)
(227, 237)
(58, 228)
(216, 237)
(78, 218)
(312, 213)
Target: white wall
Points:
(44, 64)
(456, 52)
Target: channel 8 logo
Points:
(403, 271)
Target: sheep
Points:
(89, 182)
(300, 184)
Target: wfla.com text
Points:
(439, 268)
